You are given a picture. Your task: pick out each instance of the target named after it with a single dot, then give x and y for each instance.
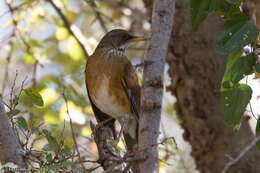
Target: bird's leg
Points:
(102, 123)
(125, 119)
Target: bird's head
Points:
(117, 40)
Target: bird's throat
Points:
(116, 52)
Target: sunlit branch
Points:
(74, 30)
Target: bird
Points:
(112, 84)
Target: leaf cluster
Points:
(237, 32)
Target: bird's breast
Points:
(111, 100)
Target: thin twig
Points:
(250, 106)
(166, 146)
(112, 166)
(12, 89)
(121, 130)
(72, 130)
(6, 73)
(98, 14)
(90, 161)
(159, 143)
(127, 168)
(73, 30)
(34, 74)
(126, 159)
(93, 169)
(241, 154)
(12, 9)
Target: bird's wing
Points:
(101, 116)
(132, 89)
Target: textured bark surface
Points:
(196, 71)
(10, 148)
(101, 136)
(251, 8)
(152, 85)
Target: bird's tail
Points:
(132, 141)
(131, 134)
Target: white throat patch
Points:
(120, 51)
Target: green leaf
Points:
(49, 157)
(65, 152)
(66, 164)
(35, 43)
(257, 129)
(13, 112)
(29, 58)
(236, 127)
(237, 67)
(35, 96)
(222, 7)
(237, 32)
(56, 20)
(22, 123)
(199, 10)
(28, 1)
(15, 100)
(47, 147)
(258, 145)
(257, 67)
(233, 103)
(52, 142)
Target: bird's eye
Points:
(126, 37)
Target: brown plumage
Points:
(112, 82)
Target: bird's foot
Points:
(102, 123)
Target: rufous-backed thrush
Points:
(112, 83)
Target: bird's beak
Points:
(135, 39)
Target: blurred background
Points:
(39, 51)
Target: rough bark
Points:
(10, 148)
(102, 135)
(152, 86)
(251, 7)
(196, 71)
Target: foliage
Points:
(34, 96)
(46, 98)
(236, 33)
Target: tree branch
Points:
(241, 154)
(152, 86)
(73, 30)
(72, 129)
(10, 149)
(102, 134)
(93, 5)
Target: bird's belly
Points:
(108, 103)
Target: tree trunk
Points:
(196, 71)
(152, 86)
(10, 148)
